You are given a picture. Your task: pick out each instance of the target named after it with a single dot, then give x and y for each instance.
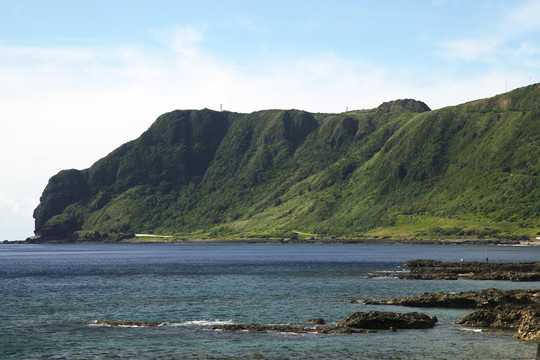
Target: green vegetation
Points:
(466, 171)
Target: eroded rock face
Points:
(525, 319)
(529, 329)
(63, 189)
(500, 316)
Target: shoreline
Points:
(157, 239)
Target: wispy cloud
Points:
(471, 49)
(500, 40)
(523, 17)
(23, 206)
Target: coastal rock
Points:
(529, 329)
(345, 330)
(506, 309)
(367, 322)
(293, 329)
(525, 319)
(464, 300)
(426, 269)
(357, 323)
(500, 316)
(386, 320)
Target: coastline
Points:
(147, 238)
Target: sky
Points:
(80, 78)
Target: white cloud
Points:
(19, 206)
(186, 41)
(500, 40)
(16, 216)
(523, 17)
(471, 49)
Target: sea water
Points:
(51, 296)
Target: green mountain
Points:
(399, 169)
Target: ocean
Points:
(52, 295)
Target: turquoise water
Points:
(52, 294)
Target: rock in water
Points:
(529, 329)
(386, 320)
(501, 316)
(425, 269)
(360, 322)
(510, 309)
(465, 299)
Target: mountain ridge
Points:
(273, 172)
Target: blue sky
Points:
(80, 78)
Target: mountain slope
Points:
(269, 173)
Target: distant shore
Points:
(335, 240)
(368, 241)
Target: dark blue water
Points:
(51, 295)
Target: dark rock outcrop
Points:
(465, 299)
(321, 329)
(386, 320)
(426, 269)
(360, 322)
(404, 105)
(63, 189)
(524, 319)
(507, 309)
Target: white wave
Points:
(216, 322)
(294, 333)
(98, 323)
(471, 330)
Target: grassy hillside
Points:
(400, 169)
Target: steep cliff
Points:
(271, 172)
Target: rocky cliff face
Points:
(63, 189)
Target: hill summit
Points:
(399, 169)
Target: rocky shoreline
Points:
(425, 269)
(505, 309)
(502, 309)
(357, 323)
